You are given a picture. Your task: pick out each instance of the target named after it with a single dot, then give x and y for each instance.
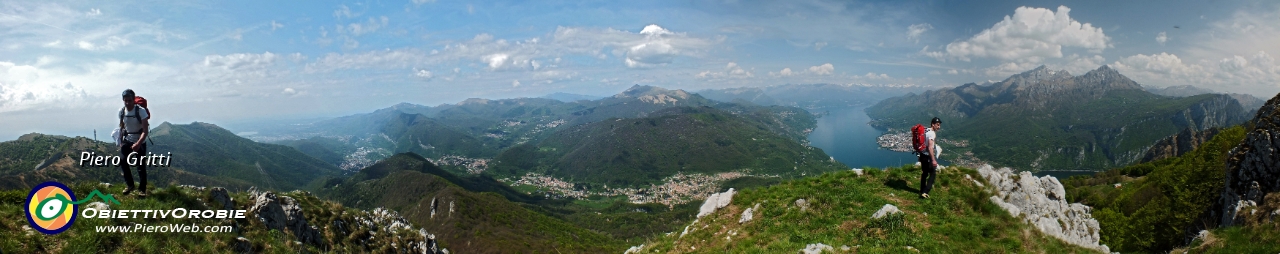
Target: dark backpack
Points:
(918, 140)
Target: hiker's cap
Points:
(127, 93)
(936, 120)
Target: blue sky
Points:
(64, 63)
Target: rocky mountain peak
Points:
(1041, 73)
(653, 94)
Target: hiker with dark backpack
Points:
(134, 128)
(926, 150)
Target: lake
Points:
(845, 135)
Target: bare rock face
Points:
(1042, 202)
(1173, 146)
(716, 201)
(1253, 169)
(281, 213)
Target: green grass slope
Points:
(958, 217)
(472, 222)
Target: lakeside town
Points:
(677, 189)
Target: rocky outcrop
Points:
(1173, 146)
(716, 201)
(885, 210)
(281, 213)
(1042, 202)
(1253, 172)
(220, 198)
(242, 245)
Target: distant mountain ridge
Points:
(1045, 119)
(640, 151)
(811, 96)
(203, 154)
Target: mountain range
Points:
(811, 96)
(1044, 119)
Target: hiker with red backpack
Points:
(927, 150)
(134, 128)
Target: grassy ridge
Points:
(956, 218)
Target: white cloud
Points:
(275, 25)
(824, 69)
(423, 74)
(240, 61)
(515, 83)
(785, 72)
(1256, 73)
(1161, 38)
(1030, 35)
(731, 70)
(818, 45)
(108, 44)
(237, 35)
(874, 76)
(289, 90)
(344, 12)
(370, 25)
(26, 87)
(652, 47)
(421, 2)
(952, 72)
(914, 31)
(93, 12)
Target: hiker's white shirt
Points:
(132, 125)
(937, 149)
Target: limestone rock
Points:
(816, 248)
(99, 206)
(1041, 201)
(219, 198)
(802, 204)
(716, 201)
(748, 214)
(1253, 172)
(281, 213)
(885, 210)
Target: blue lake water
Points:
(845, 135)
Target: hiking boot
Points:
(126, 191)
(925, 195)
(142, 193)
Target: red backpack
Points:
(142, 102)
(918, 140)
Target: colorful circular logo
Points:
(50, 209)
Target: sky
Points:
(63, 64)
